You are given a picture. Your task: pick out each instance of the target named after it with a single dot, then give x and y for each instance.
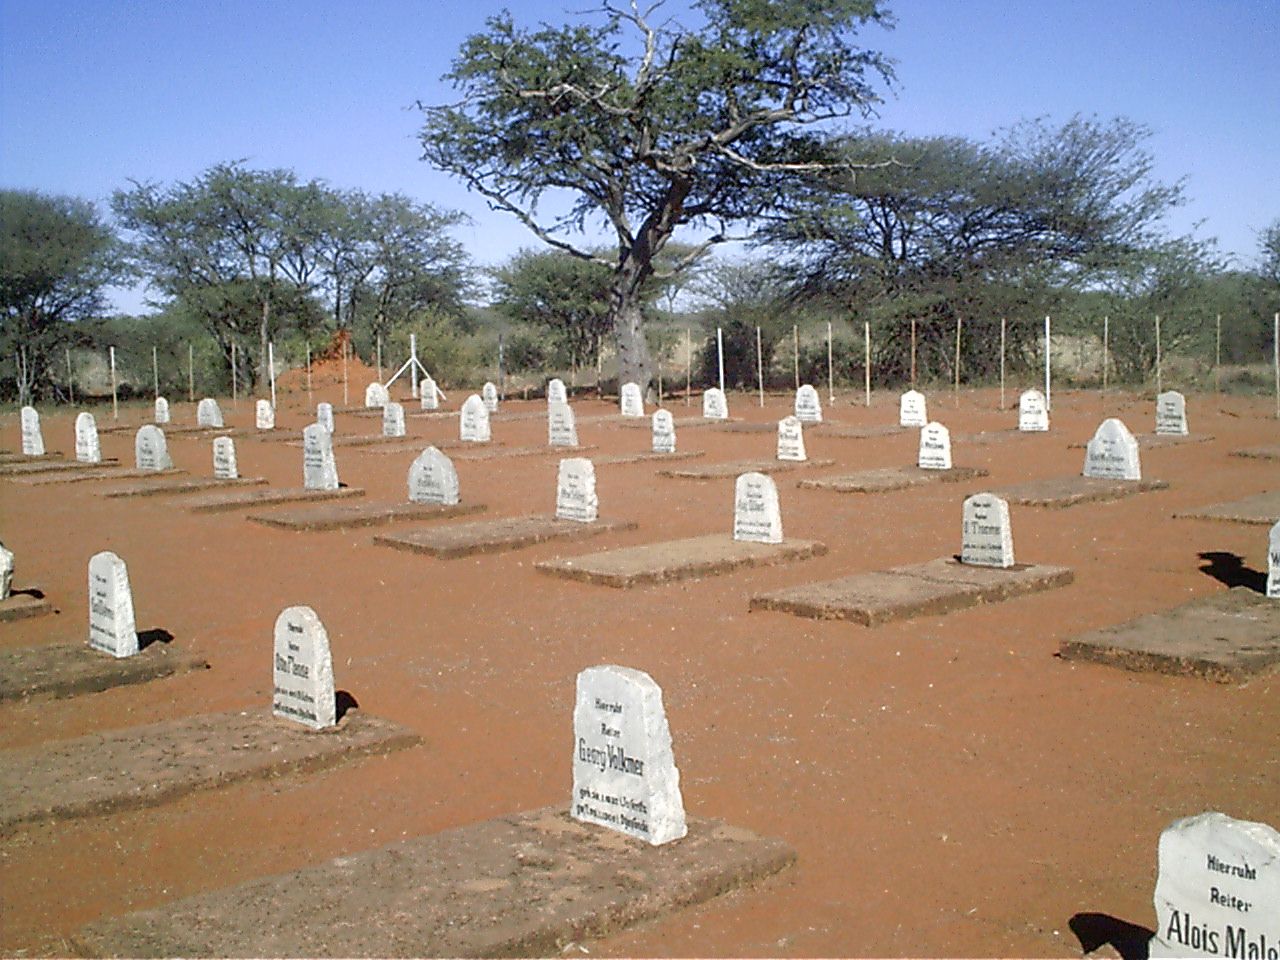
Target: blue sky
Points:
(94, 93)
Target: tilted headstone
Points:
(303, 670)
(912, 410)
(791, 439)
(319, 469)
(714, 404)
(433, 479)
(224, 459)
(32, 438)
(112, 628)
(88, 449)
(631, 400)
(756, 514)
(375, 395)
(473, 423)
(935, 448)
(1033, 414)
(808, 405)
(1217, 889)
(264, 415)
(986, 538)
(489, 394)
(556, 393)
(1273, 563)
(150, 450)
(664, 432)
(1112, 454)
(624, 772)
(6, 572)
(324, 415)
(576, 491)
(1171, 414)
(429, 395)
(208, 413)
(562, 425)
(162, 410)
(393, 419)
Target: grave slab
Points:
(1258, 453)
(237, 499)
(918, 590)
(648, 457)
(680, 423)
(1227, 637)
(496, 453)
(1156, 441)
(346, 440)
(1060, 492)
(20, 606)
(734, 468)
(492, 536)
(146, 766)
(69, 669)
(1262, 508)
(848, 432)
(179, 485)
(11, 456)
(670, 560)
(883, 479)
(522, 885)
(342, 516)
(101, 473)
(40, 465)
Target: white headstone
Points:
(1033, 415)
(88, 449)
(912, 410)
(208, 413)
(756, 514)
(375, 395)
(264, 415)
(6, 572)
(473, 423)
(1217, 889)
(714, 404)
(791, 439)
(632, 401)
(489, 394)
(808, 405)
(1171, 414)
(32, 438)
(576, 491)
(562, 425)
(162, 410)
(986, 538)
(624, 773)
(303, 670)
(393, 419)
(664, 432)
(324, 415)
(556, 392)
(319, 469)
(433, 479)
(429, 394)
(112, 628)
(1273, 563)
(1112, 454)
(935, 448)
(224, 459)
(150, 450)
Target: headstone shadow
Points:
(1229, 569)
(155, 635)
(1095, 930)
(35, 593)
(343, 701)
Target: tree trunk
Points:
(634, 362)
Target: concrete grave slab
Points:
(69, 669)
(1226, 637)
(500, 453)
(734, 468)
(1258, 453)
(10, 456)
(1157, 441)
(238, 499)
(100, 472)
(647, 457)
(1059, 492)
(493, 536)
(1263, 508)
(635, 423)
(883, 479)
(365, 441)
(21, 605)
(28, 466)
(849, 432)
(344, 516)
(179, 485)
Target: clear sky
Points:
(94, 93)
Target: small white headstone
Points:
(912, 410)
(986, 538)
(1033, 415)
(224, 459)
(791, 439)
(375, 395)
(808, 405)
(473, 424)
(489, 394)
(208, 413)
(88, 449)
(303, 670)
(393, 419)
(112, 628)
(556, 392)
(1112, 454)
(715, 406)
(664, 432)
(429, 395)
(935, 448)
(1171, 414)
(150, 450)
(32, 438)
(756, 514)
(264, 415)
(324, 415)
(632, 401)
(576, 491)
(162, 410)
(6, 572)
(433, 479)
(1273, 563)
(562, 426)
(624, 772)
(1217, 889)
(319, 469)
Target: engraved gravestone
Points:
(112, 628)
(935, 448)
(429, 395)
(808, 406)
(624, 773)
(433, 479)
(1217, 889)
(264, 415)
(32, 438)
(986, 538)
(791, 439)
(303, 670)
(319, 469)
(393, 419)
(756, 514)
(1171, 414)
(631, 401)
(6, 572)
(664, 432)
(562, 426)
(224, 459)
(208, 413)
(912, 410)
(88, 449)
(714, 404)
(489, 394)
(556, 392)
(324, 415)
(375, 395)
(473, 423)
(1273, 563)
(1033, 415)
(1112, 454)
(150, 450)
(162, 410)
(576, 491)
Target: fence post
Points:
(688, 368)
(1048, 378)
(191, 373)
(913, 353)
(115, 403)
(866, 336)
(1159, 368)
(760, 366)
(1106, 360)
(155, 370)
(235, 378)
(271, 369)
(831, 377)
(1002, 325)
(795, 349)
(71, 380)
(720, 355)
(959, 324)
(1217, 357)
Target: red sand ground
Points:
(951, 786)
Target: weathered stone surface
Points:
(224, 459)
(46, 465)
(576, 497)
(344, 516)
(562, 427)
(161, 411)
(70, 669)
(651, 457)
(791, 440)
(163, 487)
(264, 415)
(1273, 566)
(32, 437)
(6, 572)
(1112, 454)
(428, 395)
(392, 419)
(505, 453)
(88, 448)
(433, 479)
(986, 536)
(209, 414)
(238, 499)
(150, 450)
(883, 479)
(735, 468)
(492, 536)
(375, 395)
(473, 422)
(757, 516)
(1171, 414)
(112, 627)
(664, 432)
(1070, 491)
(715, 406)
(20, 606)
(86, 473)
(556, 393)
(848, 432)
(1033, 412)
(489, 396)
(319, 469)
(808, 406)
(935, 448)
(912, 410)
(631, 401)
(302, 673)
(1262, 508)
(324, 415)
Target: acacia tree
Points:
(649, 126)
